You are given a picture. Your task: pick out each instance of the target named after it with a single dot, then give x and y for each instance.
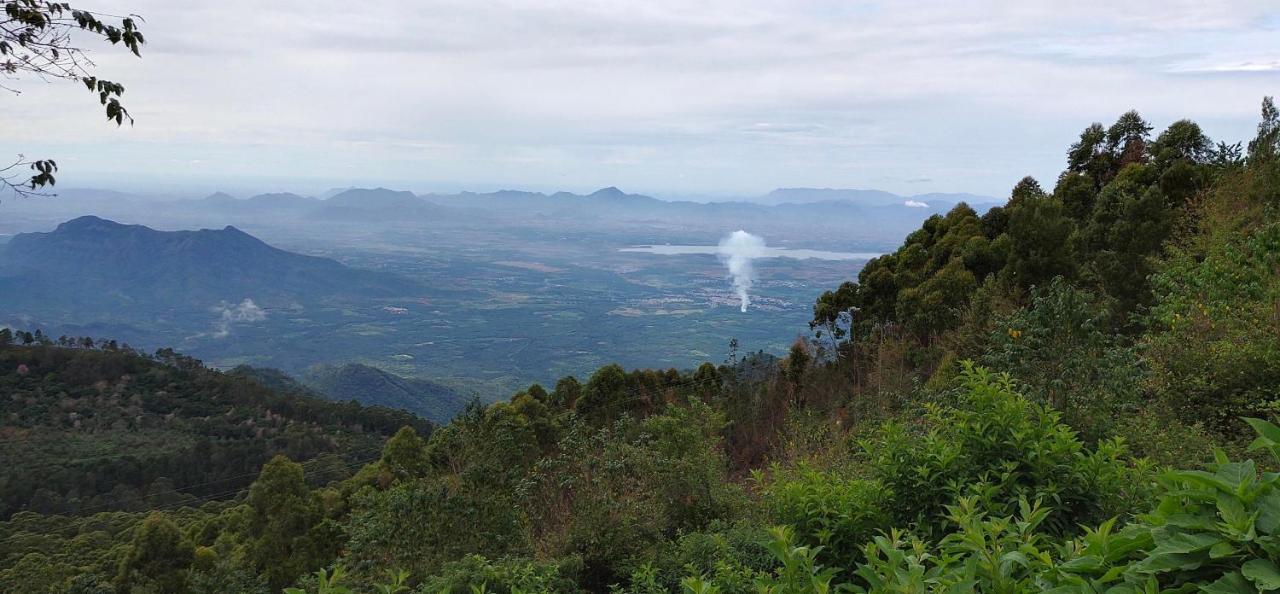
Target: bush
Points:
(1001, 448)
(1215, 531)
(832, 511)
(507, 576)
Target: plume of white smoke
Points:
(737, 250)
(245, 311)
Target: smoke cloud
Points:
(737, 251)
(245, 311)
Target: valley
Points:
(483, 304)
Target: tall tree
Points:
(284, 521)
(1264, 145)
(158, 558)
(36, 42)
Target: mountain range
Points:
(92, 262)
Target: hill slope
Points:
(375, 387)
(113, 429)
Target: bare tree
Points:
(36, 42)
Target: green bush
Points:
(508, 576)
(835, 512)
(1215, 531)
(1001, 448)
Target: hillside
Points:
(374, 387)
(94, 263)
(108, 429)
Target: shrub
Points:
(1001, 448)
(507, 576)
(835, 512)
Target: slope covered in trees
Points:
(88, 429)
(997, 406)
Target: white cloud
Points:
(244, 312)
(915, 204)
(713, 96)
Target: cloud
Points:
(245, 312)
(915, 204)
(740, 95)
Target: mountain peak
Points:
(609, 192)
(219, 197)
(87, 223)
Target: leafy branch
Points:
(36, 41)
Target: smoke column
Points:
(737, 251)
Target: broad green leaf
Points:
(1222, 549)
(1232, 511)
(1185, 542)
(1162, 562)
(1231, 583)
(1265, 431)
(1263, 573)
(1202, 478)
(1269, 513)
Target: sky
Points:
(712, 98)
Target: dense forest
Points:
(1073, 393)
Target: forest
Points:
(1076, 392)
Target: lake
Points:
(769, 252)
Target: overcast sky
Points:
(669, 97)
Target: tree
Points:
(567, 392)
(405, 455)
(1127, 139)
(35, 41)
(831, 308)
(285, 532)
(605, 396)
(1183, 140)
(1264, 146)
(796, 366)
(1040, 242)
(159, 556)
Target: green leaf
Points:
(1231, 583)
(1222, 549)
(1162, 562)
(1269, 513)
(1264, 429)
(1232, 511)
(1184, 542)
(1263, 573)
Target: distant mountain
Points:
(866, 197)
(374, 204)
(371, 386)
(281, 201)
(91, 262)
(810, 195)
(219, 198)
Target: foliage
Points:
(1215, 348)
(35, 41)
(111, 429)
(1000, 448)
(508, 576)
(1063, 348)
(1212, 531)
(286, 535)
(836, 514)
